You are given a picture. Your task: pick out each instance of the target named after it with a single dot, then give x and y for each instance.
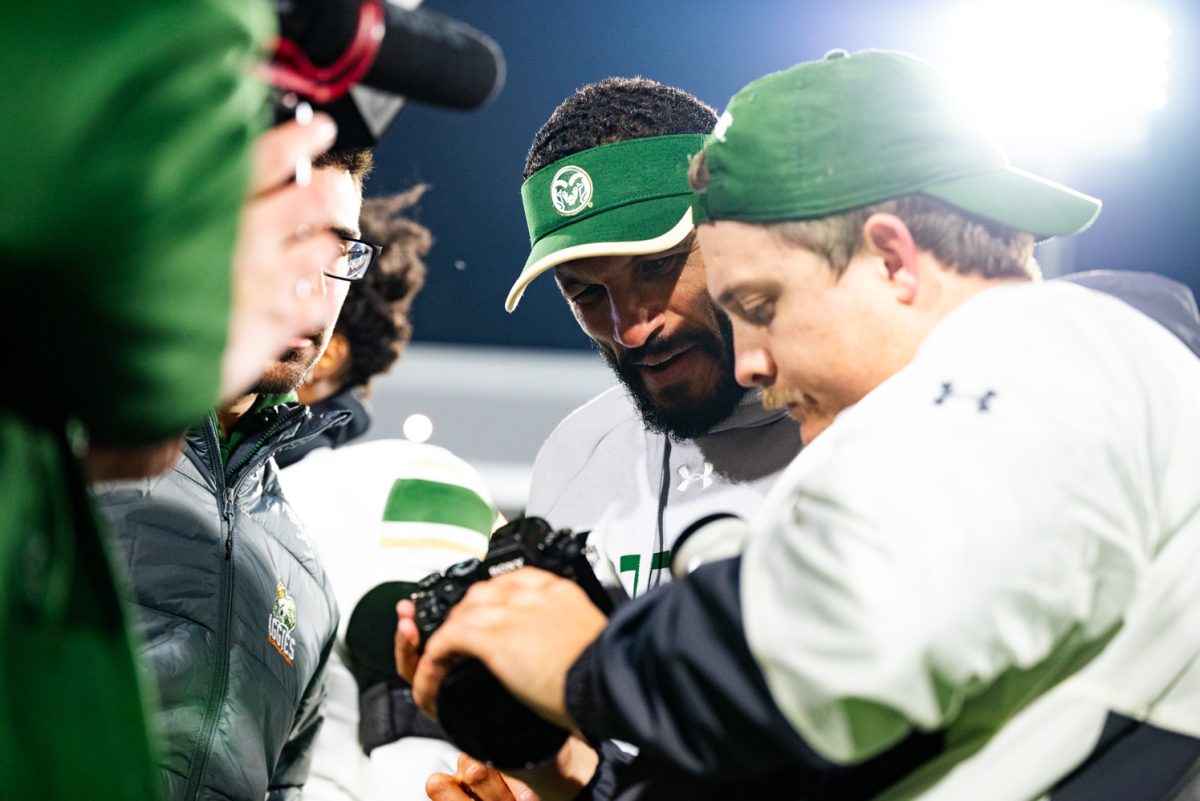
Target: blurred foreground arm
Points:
(282, 246)
(124, 246)
(121, 254)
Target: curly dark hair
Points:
(374, 318)
(613, 110)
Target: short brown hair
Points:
(963, 243)
(357, 162)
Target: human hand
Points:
(528, 627)
(558, 779)
(283, 246)
(407, 642)
(475, 781)
(408, 639)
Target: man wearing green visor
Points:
(979, 581)
(607, 204)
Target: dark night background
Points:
(473, 160)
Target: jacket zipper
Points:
(226, 497)
(654, 576)
(225, 508)
(287, 417)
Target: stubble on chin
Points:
(285, 374)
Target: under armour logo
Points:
(948, 392)
(689, 478)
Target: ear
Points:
(335, 357)
(886, 236)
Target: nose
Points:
(636, 321)
(324, 283)
(320, 277)
(753, 365)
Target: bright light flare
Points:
(1071, 75)
(418, 428)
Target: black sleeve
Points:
(673, 675)
(611, 774)
(1168, 302)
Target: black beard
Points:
(678, 414)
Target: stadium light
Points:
(418, 428)
(1062, 78)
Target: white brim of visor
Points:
(590, 249)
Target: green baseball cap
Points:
(621, 199)
(829, 136)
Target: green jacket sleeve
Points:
(126, 142)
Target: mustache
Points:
(659, 347)
(779, 398)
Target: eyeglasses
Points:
(356, 257)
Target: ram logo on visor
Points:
(571, 190)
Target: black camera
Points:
(478, 713)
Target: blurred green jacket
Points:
(125, 151)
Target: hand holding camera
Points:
(480, 609)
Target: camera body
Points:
(478, 713)
(526, 541)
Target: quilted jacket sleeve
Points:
(291, 771)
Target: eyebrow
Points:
(345, 233)
(565, 278)
(562, 272)
(729, 296)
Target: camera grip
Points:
(484, 719)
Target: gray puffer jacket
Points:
(236, 615)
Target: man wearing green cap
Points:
(979, 581)
(607, 203)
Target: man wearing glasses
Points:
(236, 616)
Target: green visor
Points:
(621, 199)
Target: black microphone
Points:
(434, 59)
(365, 58)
